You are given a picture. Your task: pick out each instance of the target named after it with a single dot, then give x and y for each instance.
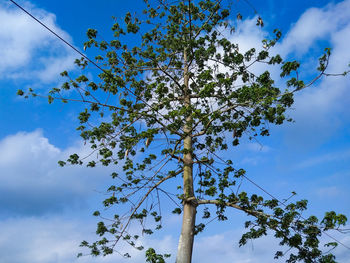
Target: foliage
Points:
(175, 102)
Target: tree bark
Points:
(184, 251)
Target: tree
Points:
(167, 108)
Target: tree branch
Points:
(142, 200)
(233, 205)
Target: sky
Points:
(46, 211)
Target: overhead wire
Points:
(83, 55)
(58, 36)
(283, 203)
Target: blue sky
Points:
(46, 210)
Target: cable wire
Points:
(86, 57)
(54, 33)
(283, 203)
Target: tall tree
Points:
(167, 111)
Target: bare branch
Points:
(142, 200)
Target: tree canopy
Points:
(174, 97)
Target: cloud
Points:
(39, 240)
(248, 35)
(319, 110)
(316, 24)
(56, 239)
(31, 182)
(27, 50)
(223, 247)
(328, 192)
(322, 109)
(329, 157)
(257, 147)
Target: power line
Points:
(54, 33)
(80, 53)
(282, 203)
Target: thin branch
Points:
(142, 200)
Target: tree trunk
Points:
(184, 251)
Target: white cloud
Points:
(251, 161)
(39, 240)
(316, 24)
(328, 192)
(257, 147)
(56, 239)
(29, 51)
(320, 110)
(248, 35)
(329, 157)
(31, 181)
(223, 247)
